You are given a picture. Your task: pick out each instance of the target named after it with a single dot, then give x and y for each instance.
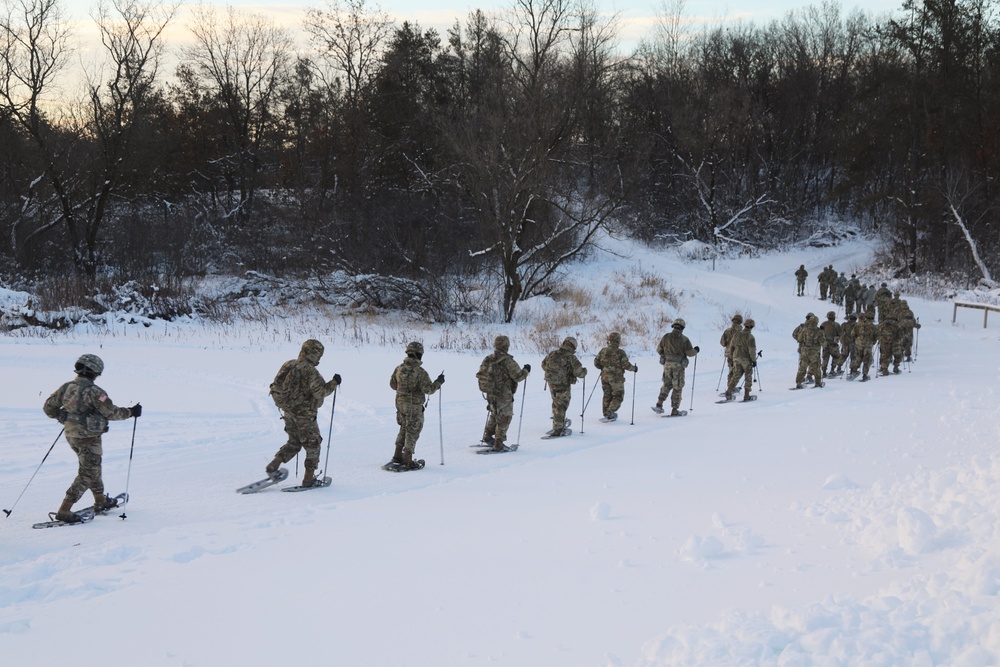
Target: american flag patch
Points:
(103, 398)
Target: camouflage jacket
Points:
(675, 348)
(847, 332)
(613, 362)
(801, 275)
(727, 337)
(411, 382)
(504, 376)
(831, 332)
(562, 367)
(306, 387)
(863, 334)
(887, 332)
(809, 337)
(743, 347)
(83, 408)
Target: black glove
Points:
(635, 368)
(697, 349)
(527, 368)
(136, 410)
(753, 364)
(336, 378)
(440, 379)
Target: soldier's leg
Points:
(608, 397)
(504, 416)
(88, 476)
(414, 425)
(664, 388)
(296, 438)
(617, 390)
(489, 432)
(800, 375)
(678, 387)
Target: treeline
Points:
(500, 148)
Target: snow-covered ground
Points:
(851, 525)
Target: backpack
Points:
(553, 367)
(490, 375)
(284, 390)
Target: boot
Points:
(674, 412)
(488, 439)
(397, 456)
(658, 408)
(309, 477)
(65, 512)
(273, 466)
(102, 503)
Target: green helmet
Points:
(415, 349)
(615, 338)
(679, 323)
(312, 351)
(570, 343)
(89, 363)
(501, 343)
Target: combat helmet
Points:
(679, 323)
(831, 315)
(738, 318)
(749, 324)
(569, 343)
(312, 351)
(415, 350)
(614, 338)
(89, 364)
(501, 343)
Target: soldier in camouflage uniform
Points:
(727, 338)
(305, 391)
(882, 297)
(743, 351)
(84, 410)
(800, 279)
(412, 384)
(907, 323)
(499, 374)
(831, 342)
(824, 282)
(851, 294)
(612, 361)
(838, 286)
(890, 350)
(562, 368)
(847, 349)
(674, 349)
(863, 336)
(810, 339)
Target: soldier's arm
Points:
(99, 400)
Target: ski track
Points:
(698, 541)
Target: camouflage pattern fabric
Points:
(412, 385)
(727, 338)
(562, 368)
(303, 434)
(612, 361)
(863, 335)
(77, 403)
(810, 339)
(907, 323)
(847, 349)
(889, 345)
(800, 279)
(500, 397)
(831, 344)
(743, 350)
(674, 349)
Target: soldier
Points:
(888, 345)
(847, 349)
(674, 349)
(562, 368)
(412, 384)
(851, 294)
(613, 362)
(907, 323)
(868, 299)
(84, 410)
(299, 391)
(831, 342)
(498, 377)
(839, 285)
(882, 298)
(800, 279)
(743, 351)
(863, 335)
(727, 337)
(810, 339)
(824, 282)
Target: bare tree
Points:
(81, 157)
(243, 59)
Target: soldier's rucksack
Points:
(490, 375)
(285, 390)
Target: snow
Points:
(851, 525)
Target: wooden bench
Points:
(985, 307)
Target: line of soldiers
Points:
(825, 348)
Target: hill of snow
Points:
(851, 525)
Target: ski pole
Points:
(760, 355)
(441, 424)
(634, 373)
(520, 419)
(584, 405)
(694, 373)
(725, 362)
(128, 475)
(51, 447)
(329, 436)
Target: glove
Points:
(336, 378)
(584, 372)
(663, 360)
(527, 368)
(136, 410)
(753, 364)
(635, 368)
(440, 379)
(697, 349)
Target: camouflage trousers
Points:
(862, 357)
(673, 381)
(501, 414)
(742, 369)
(801, 284)
(830, 354)
(614, 393)
(809, 365)
(823, 288)
(890, 354)
(729, 376)
(560, 403)
(88, 476)
(303, 433)
(848, 305)
(410, 417)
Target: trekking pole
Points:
(583, 404)
(760, 355)
(634, 373)
(916, 345)
(441, 423)
(520, 419)
(7, 512)
(329, 436)
(722, 370)
(694, 373)
(128, 475)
